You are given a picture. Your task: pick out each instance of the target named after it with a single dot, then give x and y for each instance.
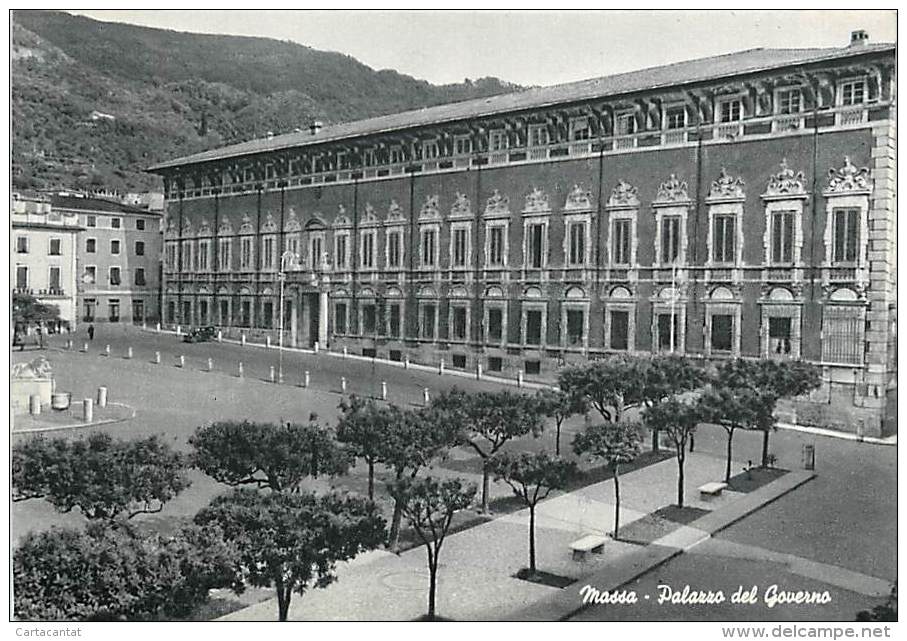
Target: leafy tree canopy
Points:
(103, 477)
(28, 310)
(613, 443)
(532, 476)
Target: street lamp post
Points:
(286, 258)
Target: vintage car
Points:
(201, 334)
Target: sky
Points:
(526, 47)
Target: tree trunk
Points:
(654, 440)
(730, 445)
(486, 481)
(371, 480)
(557, 439)
(393, 539)
(765, 448)
(616, 499)
(283, 603)
(532, 539)
(432, 583)
(680, 460)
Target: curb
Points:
(847, 436)
(75, 426)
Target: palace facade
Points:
(740, 205)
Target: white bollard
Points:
(406, 363)
(441, 368)
(242, 339)
(220, 336)
(128, 352)
(240, 369)
(425, 398)
(102, 397)
(158, 328)
(157, 358)
(34, 404)
(306, 379)
(343, 384)
(107, 350)
(519, 378)
(179, 330)
(84, 347)
(210, 364)
(144, 325)
(272, 375)
(316, 347)
(478, 371)
(182, 362)
(383, 390)
(345, 353)
(69, 344)
(268, 341)
(88, 410)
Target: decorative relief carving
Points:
(536, 201)
(672, 190)
(624, 195)
(369, 218)
(497, 203)
(270, 226)
(726, 186)
(204, 228)
(430, 208)
(246, 227)
(786, 182)
(578, 199)
(848, 178)
(292, 222)
(394, 212)
(462, 207)
(225, 228)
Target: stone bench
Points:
(711, 490)
(589, 543)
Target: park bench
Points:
(589, 543)
(711, 490)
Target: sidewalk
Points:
(477, 565)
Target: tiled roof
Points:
(679, 73)
(90, 203)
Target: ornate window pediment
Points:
(494, 291)
(578, 199)
(187, 227)
(246, 227)
(341, 221)
(394, 212)
(225, 227)
(369, 218)
(316, 222)
(171, 228)
(624, 195)
(458, 291)
(292, 222)
(204, 228)
(497, 204)
(727, 187)
(429, 209)
(848, 179)
(461, 207)
(536, 202)
(270, 226)
(673, 190)
(785, 183)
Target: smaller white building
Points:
(43, 254)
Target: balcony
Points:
(851, 116)
(728, 131)
(625, 142)
(838, 274)
(674, 137)
(497, 158)
(580, 148)
(538, 153)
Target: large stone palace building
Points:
(739, 205)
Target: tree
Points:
(485, 421)
(560, 406)
(615, 444)
(293, 541)
(429, 505)
(267, 455)
(28, 310)
(611, 385)
(532, 477)
(362, 427)
(103, 477)
(678, 420)
(109, 572)
(667, 376)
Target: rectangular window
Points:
(55, 247)
(316, 249)
(113, 310)
(267, 314)
(223, 258)
(140, 224)
(340, 251)
(625, 124)
(269, 245)
(393, 319)
(429, 313)
(579, 129)
(538, 136)
(369, 318)
(245, 313)
(463, 145)
(115, 223)
(779, 335)
(114, 247)
(496, 246)
(91, 221)
(789, 101)
(730, 110)
(668, 332)
(340, 318)
(140, 276)
(842, 335)
(460, 246)
(368, 249)
(394, 248)
(782, 237)
(21, 277)
(853, 93)
(91, 275)
(495, 324)
(497, 140)
(245, 253)
(675, 117)
(202, 254)
(670, 239)
(139, 248)
(722, 332)
(459, 324)
(621, 241)
(575, 327)
(21, 244)
(724, 239)
(138, 311)
(577, 250)
(293, 245)
(620, 330)
(495, 364)
(534, 327)
(535, 245)
(396, 155)
(114, 275)
(224, 312)
(429, 150)
(429, 245)
(54, 279)
(846, 235)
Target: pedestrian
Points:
(90, 332)
(41, 331)
(692, 442)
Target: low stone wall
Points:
(23, 388)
